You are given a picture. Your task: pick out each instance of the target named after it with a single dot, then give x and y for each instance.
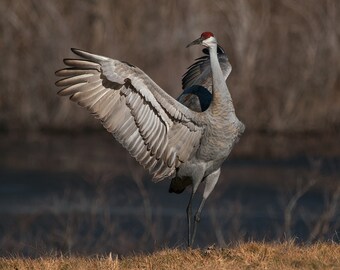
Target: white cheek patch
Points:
(208, 41)
(211, 39)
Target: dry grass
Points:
(250, 255)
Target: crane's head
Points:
(206, 39)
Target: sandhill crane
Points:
(186, 139)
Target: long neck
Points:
(221, 98)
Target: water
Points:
(83, 194)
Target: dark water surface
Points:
(83, 194)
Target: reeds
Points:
(284, 56)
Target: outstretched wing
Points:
(159, 132)
(199, 73)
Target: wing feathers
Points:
(74, 80)
(67, 72)
(71, 89)
(199, 73)
(81, 64)
(156, 129)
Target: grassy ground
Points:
(242, 256)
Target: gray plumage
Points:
(197, 81)
(187, 140)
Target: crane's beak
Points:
(195, 42)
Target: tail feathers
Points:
(178, 184)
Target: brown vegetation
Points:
(285, 55)
(251, 255)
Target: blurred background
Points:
(67, 186)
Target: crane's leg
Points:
(195, 183)
(210, 183)
(189, 217)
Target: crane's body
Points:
(187, 140)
